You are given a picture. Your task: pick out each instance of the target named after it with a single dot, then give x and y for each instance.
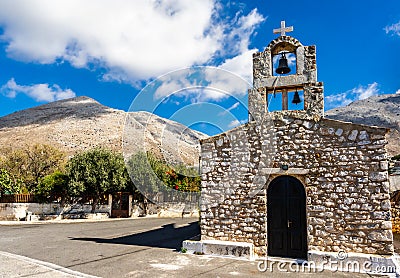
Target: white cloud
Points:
(394, 29)
(238, 38)
(358, 93)
(241, 65)
(226, 82)
(132, 40)
(398, 92)
(199, 84)
(235, 105)
(39, 92)
(236, 123)
(366, 92)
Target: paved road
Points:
(147, 247)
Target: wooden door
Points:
(286, 208)
(120, 205)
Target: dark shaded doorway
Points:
(120, 205)
(286, 207)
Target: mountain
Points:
(382, 111)
(81, 123)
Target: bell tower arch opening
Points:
(284, 63)
(293, 100)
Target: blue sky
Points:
(115, 51)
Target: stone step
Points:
(220, 248)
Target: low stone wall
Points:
(36, 211)
(169, 210)
(20, 211)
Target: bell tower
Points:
(283, 80)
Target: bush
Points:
(53, 186)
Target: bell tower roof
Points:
(283, 43)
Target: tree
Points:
(8, 184)
(54, 185)
(95, 173)
(184, 178)
(145, 170)
(14, 163)
(147, 174)
(152, 176)
(32, 163)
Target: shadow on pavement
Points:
(168, 236)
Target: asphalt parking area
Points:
(146, 247)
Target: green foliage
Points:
(149, 173)
(53, 185)
(184, 178)
(396, 157)
(9, 185)
(145, 170)
(96, 172)
(41, 169)
(32, 163)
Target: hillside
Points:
(81, 123)
(382, 110)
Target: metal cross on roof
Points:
(283, 29)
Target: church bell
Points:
(283, 65)
(296, 98)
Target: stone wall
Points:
(164, 210)
(19, 211)
(343, 167)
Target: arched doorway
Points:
(286, 214)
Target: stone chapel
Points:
(292, 183)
